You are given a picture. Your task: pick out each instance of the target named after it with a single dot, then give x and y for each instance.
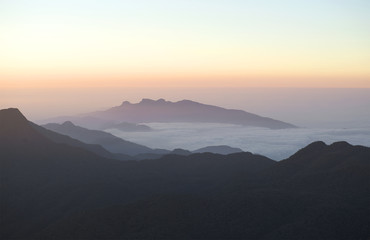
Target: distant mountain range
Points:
(65, 139)
(117, 145)
(164, 111)
(108, 141)
(96, 123)
(185, 111)
(53, 190)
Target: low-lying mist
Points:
(275, 144)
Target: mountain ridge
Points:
(55, 191)
(110, 142)
(148, 110)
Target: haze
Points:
(68, 57)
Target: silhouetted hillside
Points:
(184, 111)
(336, 166)
(56, 191)
(108, 141)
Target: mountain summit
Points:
(148, 110)
(14, 127)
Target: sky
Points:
(79, 51)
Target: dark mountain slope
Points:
(250, 205)
(319, 165)
(16, 129)
(185, 111)
(43, 182)
(107, 140)
(55, 191)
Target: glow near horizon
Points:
(185, 43)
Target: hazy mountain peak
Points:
(68, 124)
(15, 127)
(125, 103)
(12, 113)
(11, 118)
(146, 100)
(186, 101)
(220, 149)
(151, 101)
(149, 110)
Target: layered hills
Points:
(53, 190)
(116, 145)
(107, 140)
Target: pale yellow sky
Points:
(218, 43)
(74, 56)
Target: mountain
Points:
(15, 128)
(44, 183)
(184, 111)
(237, 203)
(95, 148)
(107, 140)
(99, 124)
(118, 145)
(52, 190)
(222, 149)
(321, 165)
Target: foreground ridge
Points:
(56, 191)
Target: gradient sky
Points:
(178, 43)
(73, 56)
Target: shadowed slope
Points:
(14, 128)
(320, 166)
(43, 182)
(55, 191)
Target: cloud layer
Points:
(276, 144)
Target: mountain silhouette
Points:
(16, 128)
(53, 190)
(95, 148)
(222, 149)
(184, 111)
(96, 123)
(108, 141)
(319, 165)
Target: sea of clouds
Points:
(275, 144)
